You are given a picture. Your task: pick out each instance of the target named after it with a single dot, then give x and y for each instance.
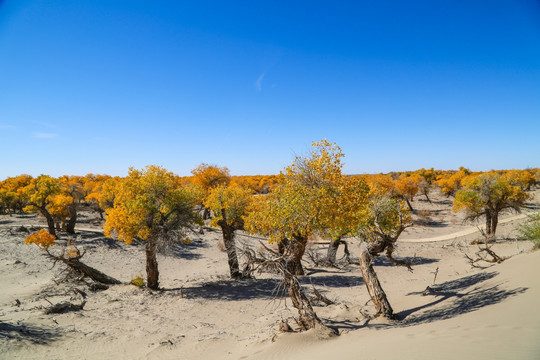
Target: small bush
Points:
(41, 238)
(531, 230)
(138, 280)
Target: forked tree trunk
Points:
(230, 247)
(152, 272)
(70, 228)
(378, 296)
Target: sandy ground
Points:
(201, 314)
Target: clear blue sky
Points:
(98, 86)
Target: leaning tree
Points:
(149, 205)
(384, 220)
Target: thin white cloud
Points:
(41, 135)
(258, 83)
(6, 127)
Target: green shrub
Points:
(531, 230)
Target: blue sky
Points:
(99, 86)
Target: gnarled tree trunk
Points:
(378, 296)
(297, 249)
(307, 319)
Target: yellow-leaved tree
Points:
(229, 204)
(207, 177)
(151, 206)
(293, 211)
(11, 199)
(489, 194)
(39, 195)
(343, 212)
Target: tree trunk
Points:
(72, 220)
(89, 271)
(382, 306)
(494, 223)
(50, 220)
(408, 203)
(283, 244)
(297, 247)
(488, 223)
(332, 251)
(230, 246)
(206, 213)
(307, 319)
(426, 195)
(152, 272)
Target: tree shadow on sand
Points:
(418, 260)
(335, 281)
(29, 333)
(460, 296)
(232, 290)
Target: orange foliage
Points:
(41, 238)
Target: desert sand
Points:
(201, 314)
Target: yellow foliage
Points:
(229, 203)
(210, 176)
(148, 203)
(41, 238)
(298, 206)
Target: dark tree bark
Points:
(83, 269)
(206, 213)
(89, 271)
(283, 244)
(494, 223)
(488, 223)
(49, 218)
(426, 195)
(297, 248)
(152, 272)
(378, 296)
(70, 228)
(408, 203)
